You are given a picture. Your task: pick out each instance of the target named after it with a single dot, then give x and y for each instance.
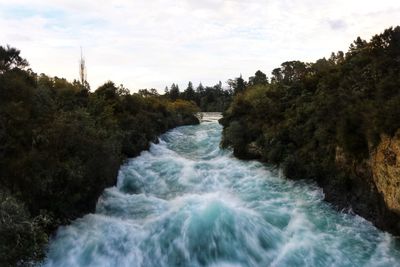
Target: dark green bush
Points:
(22, 237)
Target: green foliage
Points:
(236, 136)
(174, 92)
(310, 109)
(259, 78)
(61, 145)
(352, 136)
(238, 85)
(22, 237)
(10, 59)
(208, 98)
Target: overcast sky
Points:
(150, 44)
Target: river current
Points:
(187, 202)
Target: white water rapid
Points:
(186, 202)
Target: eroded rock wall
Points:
(385, 165)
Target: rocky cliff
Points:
(385, 166)
(372, 186)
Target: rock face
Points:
(253, 150)
(373, 190)
(385, 165)
(187, 120)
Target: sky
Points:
(154, 43)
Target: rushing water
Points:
(186, 202)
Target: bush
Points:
(22, 237)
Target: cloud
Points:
(154, 43)
(337, 24)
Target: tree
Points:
(10, 58)
(259, 78)
(277, 75)
(148, 93)
(174, 92)
(189, 93)
(200, 89)
(293, 71)
(237, 85)
(218, 86)
(108, 90)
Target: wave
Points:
(186, 202)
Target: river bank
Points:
(334, 121)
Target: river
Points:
(186, 202)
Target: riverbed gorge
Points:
(187, 202)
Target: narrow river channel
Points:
(186, 202)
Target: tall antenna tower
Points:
(82, 69)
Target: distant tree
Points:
(218, 86)
(10, 58)
(337, 58)
(122, 90)
(200, 89)
(143, 92)
(189, 93)
(277, 76)
(237, 85)
(293, 71)
(107, 90)
(356, 46)
(154, 91)
(147, 93)
(259, 78)
(174, 92)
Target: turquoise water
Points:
(186, 202)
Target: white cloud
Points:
(154, 43)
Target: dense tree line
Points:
(309, 112)
(61, 145)
(214, 98)
(210, 98)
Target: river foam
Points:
(186, 202)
